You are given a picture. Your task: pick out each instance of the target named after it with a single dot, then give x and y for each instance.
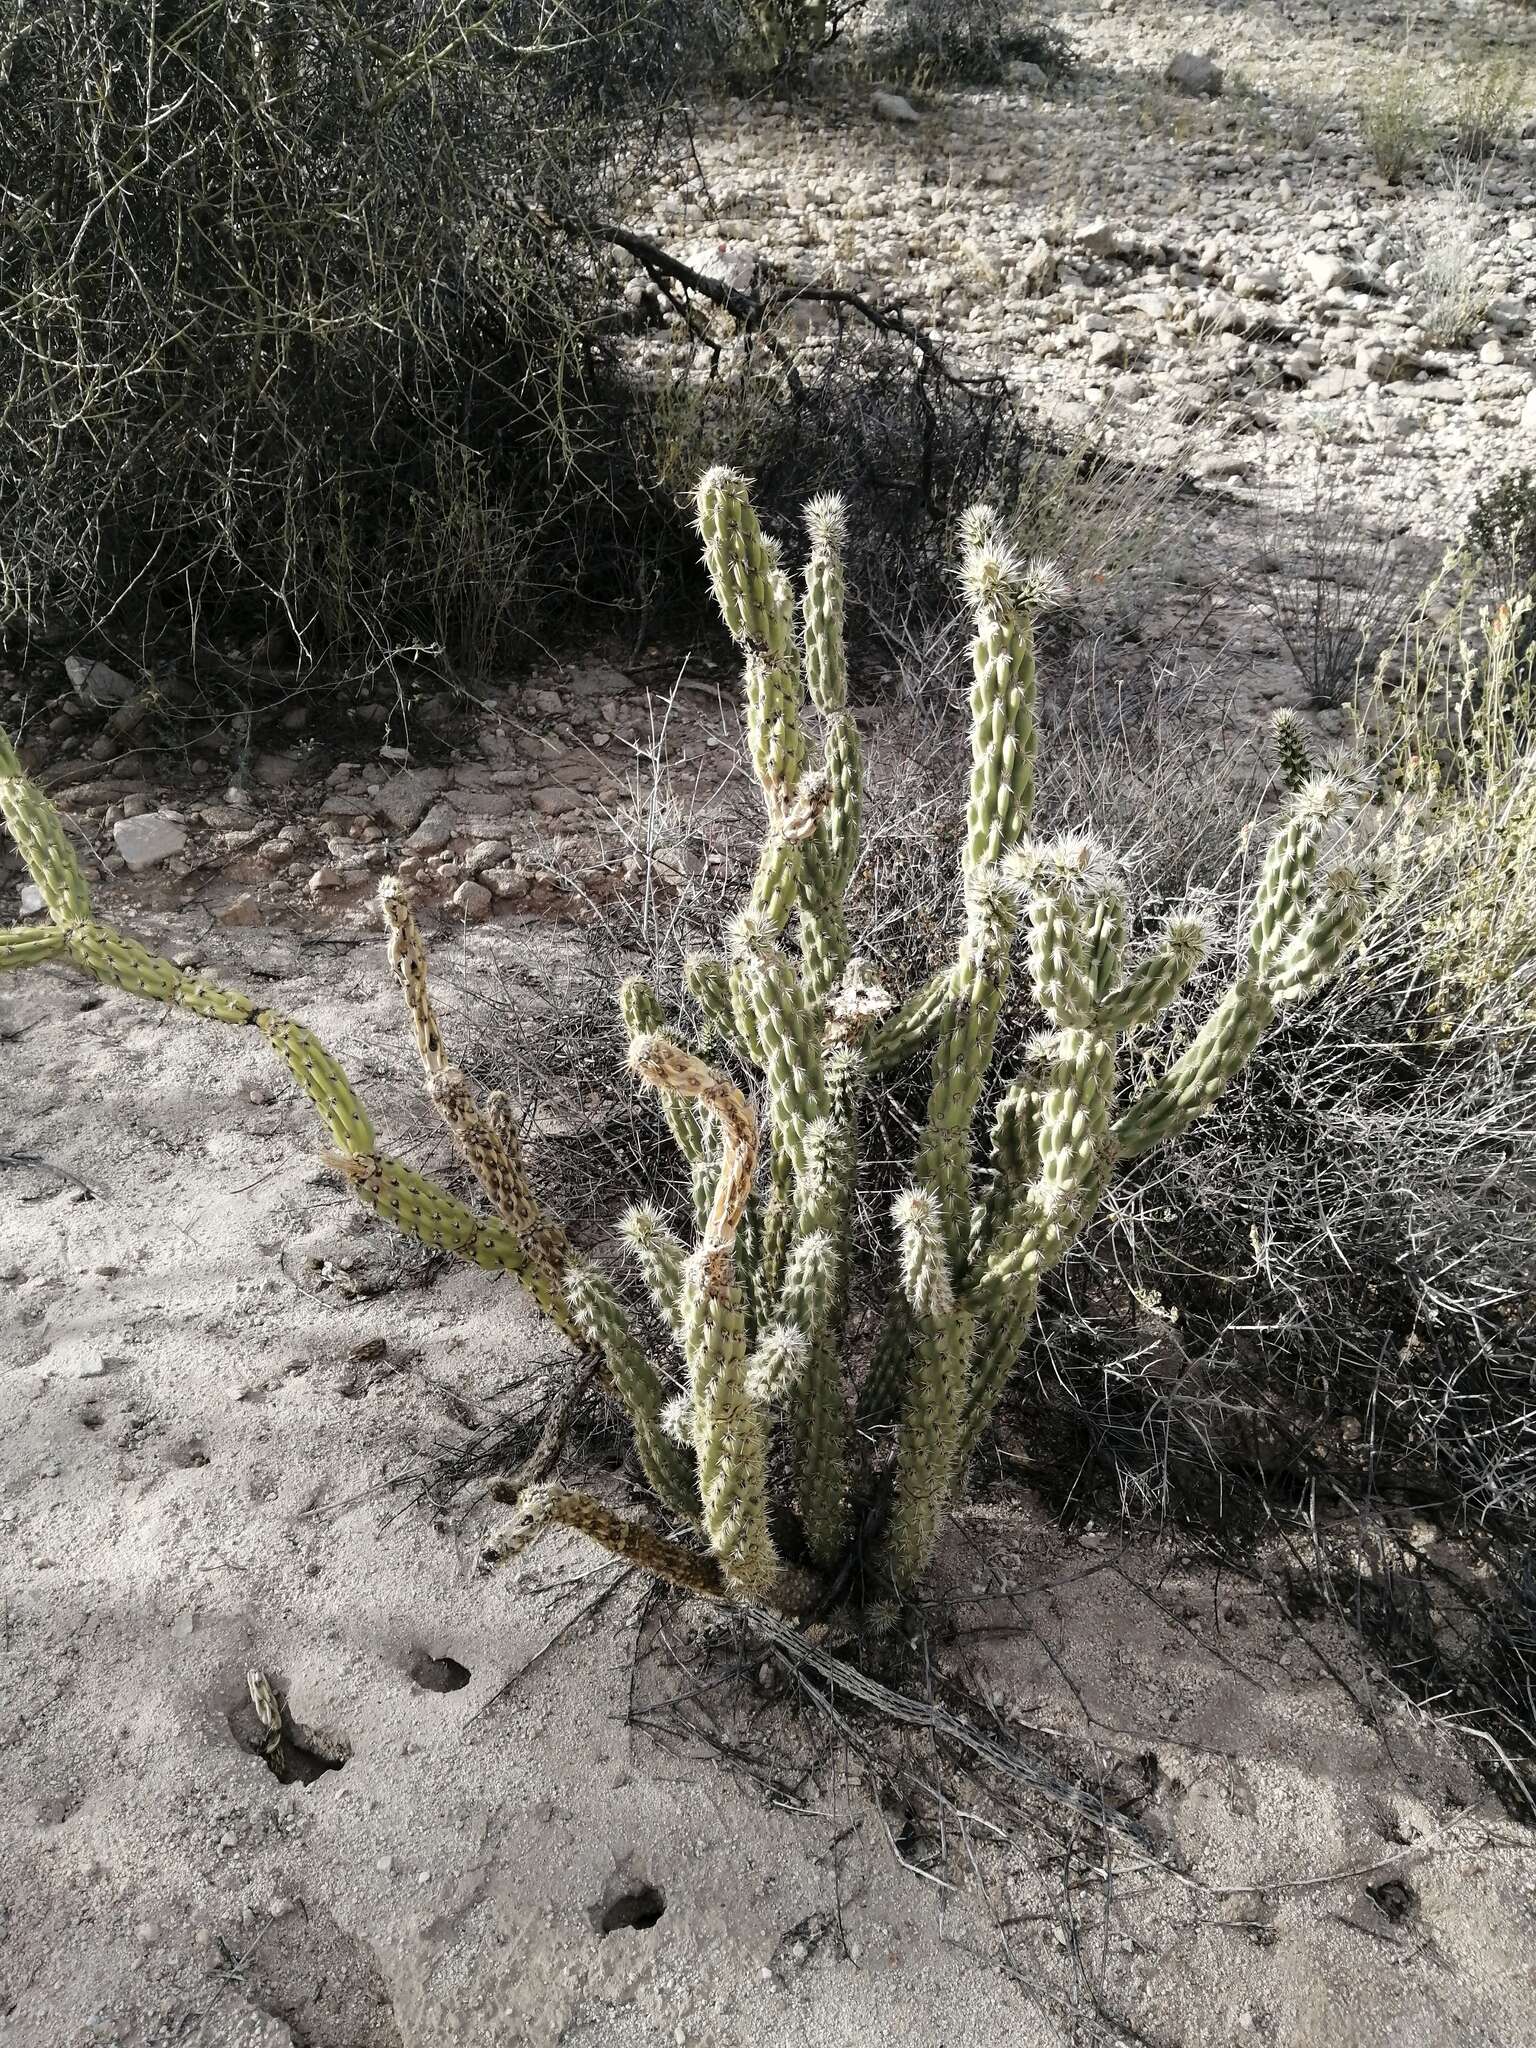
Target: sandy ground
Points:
(211, 1363)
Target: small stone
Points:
(244, 911)
(894, 106)
(31, 899)
(434, 831)
(404, 798)
(322, 880)
(96, 683)
(145, 842)
(548, 703)
(1528, 413)
(474, 900)
(1106, 348)
(1190, 73)
(1328, 273)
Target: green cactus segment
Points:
(1220, 1050)
(1286, 881)
(826, 670)
(324, 1083)
(601, 1321)
(928, 1448)
(782, 1026)
(843, 757)
(1295, 762)
(884, 1385)
(708, 981)
(730, 1435)
(43, 844)
(641, 1009)
(112, 957)
(962, 1055)
(28, 945)
(1074, 1117)
(1328, 935)
(777, 1364)
(660, 1255)
(1148, 990)
(743, 567)
(1002, 704)
(905, 1033)
(997, 1353)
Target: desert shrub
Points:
(1447, 260)
(1394, 124)
(1334, 586)
(971, 42)
(812, 1450)
(1487, 100)
(302, 326)
(1501, 531)
(1458, 731)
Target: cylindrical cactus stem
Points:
(818, 1420)
(1319, 948)
(743, 566)
(30, 945)
(1014, 1156)
(963, 1054)
(776, 882)
(775, 737)
(1105, 940)
(1061, 960)
(660, 1063)
(660, 1255)
(1074, 1117)
(998, 1344)
(843, 816)
(1290, 866)
(544, 1236)
(602, 1322)
(884, 1386)
(1292, 757)
(777, 1364)
(905, 1033)
(540, 1506)
(928, 1444)
(1150, 987)
(778, 1222)
(824, 942)
(826, 671)
(322, 1080)
(1002, 792)
(43, 844)
(788, 1034)
(925, 1274)
(730, 1436)
(708, 981)
(1220, 1049)
(408, 958)
(640, 1007)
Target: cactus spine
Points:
(763, 1357)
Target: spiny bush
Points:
(301, 327)
(800, 1460)
(972, 42)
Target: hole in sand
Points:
(300, 1756)
(637, 1906)
(1394, 1897)
(438, 1674)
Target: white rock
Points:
(1528, 413)
(145, 842)
(1105, 348)
(894, 106)
(322, 880)
(403, 799)
(733, 264)
(96, 682)
(31, 899)
(473, 900)
(1189, 73)
(1327, 273)
(434, 831)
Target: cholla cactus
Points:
(778, 1455)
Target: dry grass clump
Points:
(1447, 254)
(1394, 122)
(1488, 99)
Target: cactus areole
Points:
(777, 1458)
